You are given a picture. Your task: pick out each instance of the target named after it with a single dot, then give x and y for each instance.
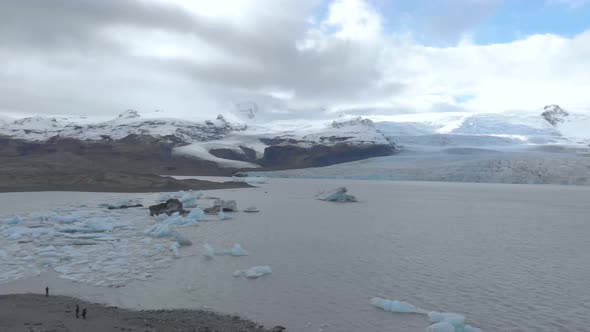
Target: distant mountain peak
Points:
(554, 114)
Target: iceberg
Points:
(209, 252)
(17, 232)
(66, 219)
(197, 214)
(336, 195)
(54, 217)
(257, 271)
(176, 219)
(223, 216)
(454, 319)
(93, 225)
(441, 327)
(235, 251)
(251, 209)
(441, 321)
(175, 249)
(395, 306)
(14, 220)
(159, 230)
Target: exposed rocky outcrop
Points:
(48, 177)
(292, 156)
(137, 154)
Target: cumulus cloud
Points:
(202, 57)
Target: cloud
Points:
(202, 57)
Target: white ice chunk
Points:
(223, 216)
(251, 209)
(175, 249)
(394, 306)
(441, 327)
(17, 232)
(257, 271)
(188, 201)
(455, 319)
(209, 252)
(442, 321)
(197, 214)
(93, 225)
(65, 219)
(336, 195)
(237, 250)
(159, 230)
(14, 220)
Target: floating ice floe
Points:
(235, 251)
(254, 272)
(395, 306)
(251, 209)
(93, 225)
(442, 321)
(17, 232)
(53, 217)
(223, 216)
(14, 220)
(209, 251)
(159, 230)
(336, 195)
(175, 249)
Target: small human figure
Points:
(77, 311)
(46, 291)
(84, 313)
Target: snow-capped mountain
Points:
(127, 123)
(247, 142)
(227, 144)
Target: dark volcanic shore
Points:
(37, 313)
(15, 180)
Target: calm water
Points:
(509, 257)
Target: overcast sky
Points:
(201, 57)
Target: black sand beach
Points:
(38, 313)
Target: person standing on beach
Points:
(46, 291)
(84, 313)
(77, 311)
